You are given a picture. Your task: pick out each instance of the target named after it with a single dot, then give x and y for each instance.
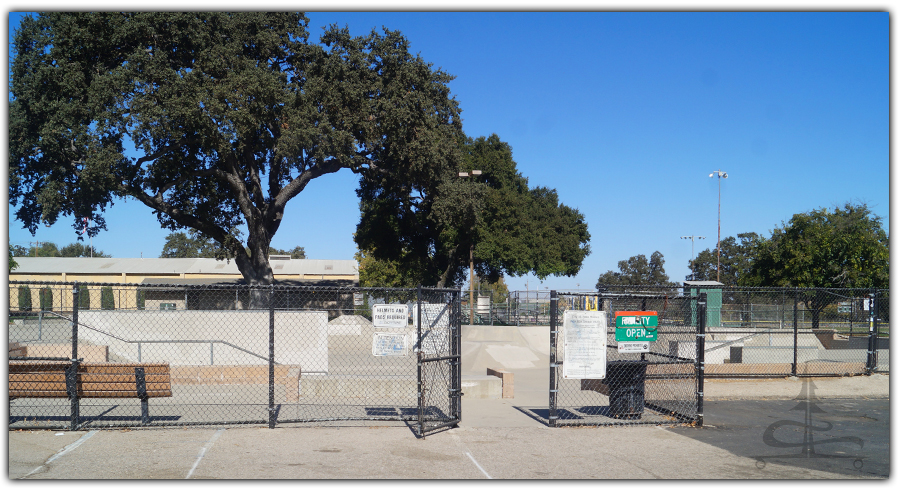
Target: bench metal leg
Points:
(72, 392)
(145, 411)
(142, 393)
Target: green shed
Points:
(713, 290)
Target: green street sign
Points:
(636, 326)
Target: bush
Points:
(24, 298)
(84, 298)
(46, 298)
(141, 298)
(107, 301)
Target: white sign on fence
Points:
(390, 315)
(584, 351)
(389, 344)
(435, 327)
(634, 346)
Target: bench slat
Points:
(87, 378)
(88, 394)
(40, 379)
(24, 385)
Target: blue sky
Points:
(626, 115)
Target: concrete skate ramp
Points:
(504, 347)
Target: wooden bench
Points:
(58, 379)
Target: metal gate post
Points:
(794, 362)
(553, 418)
(419, 359)
(455, 366)
(73, 374)
(701, 354)
(871, 359)
(272, 356)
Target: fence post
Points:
(72, 373)
(701, 353)
(419, 321)
(794, 362)
(553, 418)
(272, 356)
(871, 360)
(456, 366)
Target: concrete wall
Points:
(301, 337)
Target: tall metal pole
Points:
(719, 236)
(720, 175)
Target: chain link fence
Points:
(769, 332)
(113, 355)
(599, 377)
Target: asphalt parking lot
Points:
(847, 436)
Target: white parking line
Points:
(479, 466)
(203, 451)
(468, 454)
(62, 452)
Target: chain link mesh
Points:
(205, 351)
(654, 387)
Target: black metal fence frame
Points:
(676, 416)
(446, 366)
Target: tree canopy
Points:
(49, 249)
(508, 227)
(736, 258)
(846, 247)
(638, 271)
(231, 116)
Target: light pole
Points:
(721, 175)
(692, 237)
(475, 173)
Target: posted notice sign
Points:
(584, 351)
(390, 315)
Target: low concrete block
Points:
(507, 381)
(482, 387)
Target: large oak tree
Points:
(231, 114)
(424, 229)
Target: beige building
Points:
(113, 271)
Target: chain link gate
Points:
(113, 355)
(662, 385)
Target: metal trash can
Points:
(625, 380)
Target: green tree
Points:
(12, 262)
(24, 298)
(79, 250)
(190, 245)
(736, 259)
(424, 228)
(295, 253)
(45, 249)
(45, 295)
(107, 299)
(19, 251)
(84, 298)
(846, 247)
(638, 271)
(232, 115)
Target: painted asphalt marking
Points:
(468, 454)
(479, 466)
(203, 451)
(62, 452)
